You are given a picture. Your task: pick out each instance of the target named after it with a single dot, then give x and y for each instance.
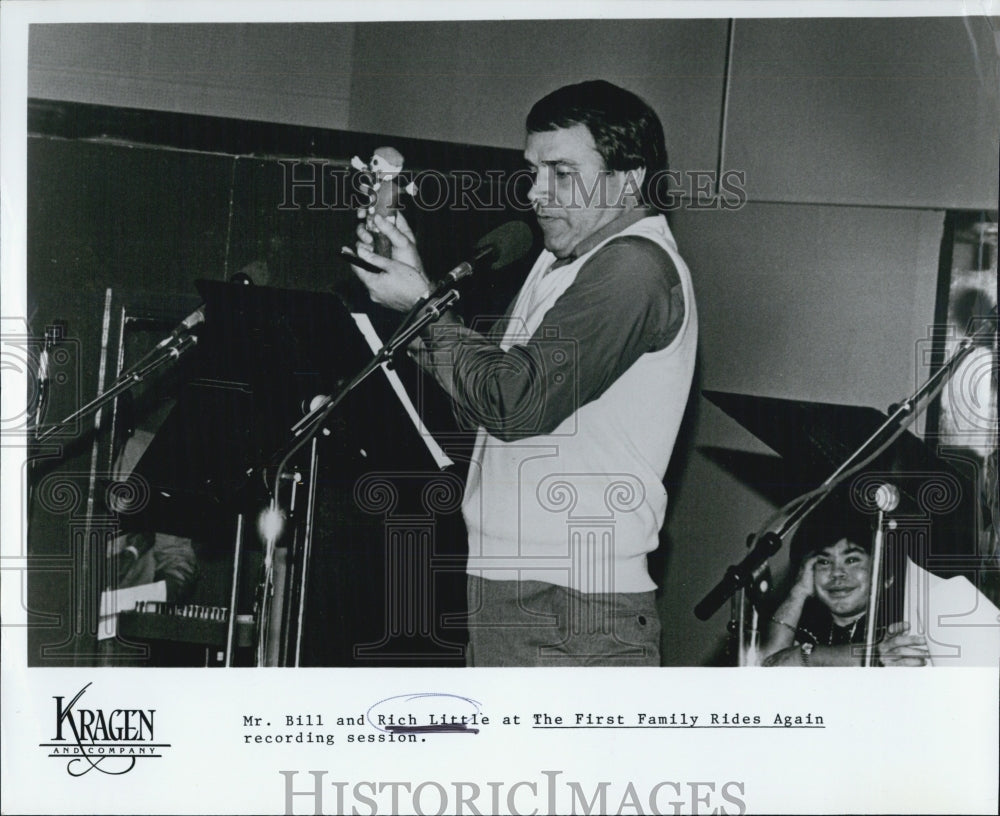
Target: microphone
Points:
(503, 246)
(195, 318)
(887, 497)
(507, 243)
(53, 335)
(510, 241)
(42, 384)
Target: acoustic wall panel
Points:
(888, 112)
(281, 72)
(474, 82)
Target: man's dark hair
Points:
(626, 131)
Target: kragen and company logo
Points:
(109, 741)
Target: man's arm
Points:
(626, 300)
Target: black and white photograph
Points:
(523, 410)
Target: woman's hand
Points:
(805, 582)
(901, 649)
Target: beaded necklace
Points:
(834, 627)
(830, 634)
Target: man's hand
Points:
(402, 281)
(125, 560)
(900, 649)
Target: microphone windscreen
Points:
(887, 498)
(506, 244)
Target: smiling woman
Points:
(842, 577)
(823, 620)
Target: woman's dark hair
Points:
(836, 518)
(833, 520)
(626, 131)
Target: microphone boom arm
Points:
(124, 382)
(901, 416)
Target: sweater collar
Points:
(620, 223)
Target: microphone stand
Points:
(767, 542)
(431, 312)
(305, 431)
(125, 381)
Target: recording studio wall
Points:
(860, 111)
(855, 136)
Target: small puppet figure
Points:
(384, 191)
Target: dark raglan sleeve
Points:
(626, 300)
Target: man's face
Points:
(574, 195)
(843, 578)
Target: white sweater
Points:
(582, 506)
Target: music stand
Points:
(815, 437)
(263, 354)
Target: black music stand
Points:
(814, 438)
(263, 354)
